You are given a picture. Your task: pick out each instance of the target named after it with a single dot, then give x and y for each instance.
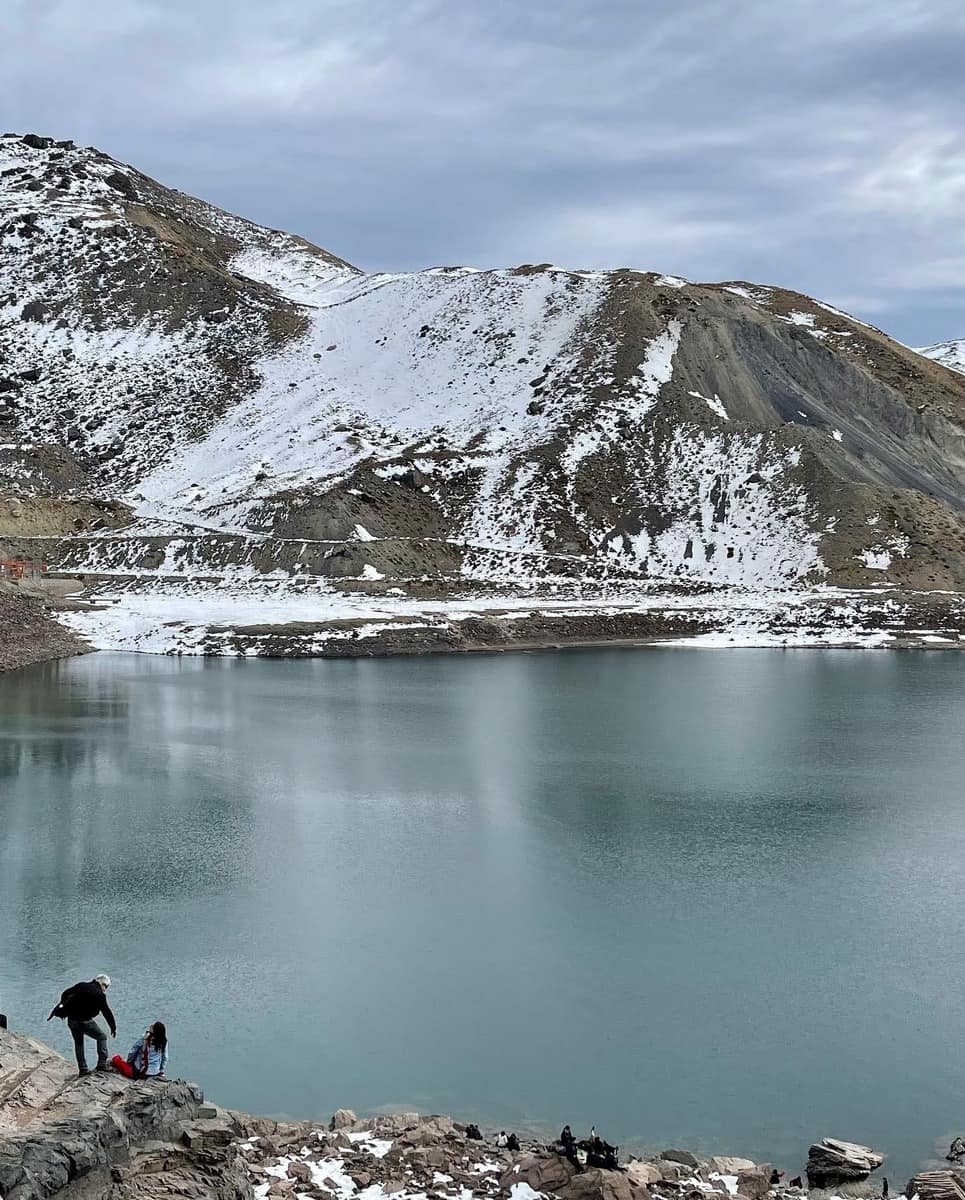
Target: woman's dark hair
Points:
(159, 1036)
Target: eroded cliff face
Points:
(247, 408)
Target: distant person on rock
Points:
(567, 1143)
(599, 1153)
(512, 1142)
(80, 1004)
(148, 1056)
(502, 1140)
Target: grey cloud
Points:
(806, 143)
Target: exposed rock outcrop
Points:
(729, 1165)
(684, 1157)
(641, 1174)
(598, 1184)
(543, 1173)
(937, 1185)
(754, 1182)
(832, 1162)
(103, 1135)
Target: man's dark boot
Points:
(83, 1071)
(102, 1067)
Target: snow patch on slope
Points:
(949, 354)
(644, 386)
(880, 557)
(387, 363)
(745, 524)
(715, 404)
(292, 270)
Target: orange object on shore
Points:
(17, 568)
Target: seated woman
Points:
(148, 1056)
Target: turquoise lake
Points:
(704, 898)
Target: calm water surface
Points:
(705, 898)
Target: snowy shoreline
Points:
(412, 1157)
(246, 618)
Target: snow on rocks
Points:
(293, 269)
(644, 386)
(735, 525)
(880, 557)
(403, 1155)
(432, 1158)
(412, 353)
(714, 404)
(756, 295)
(249, 617)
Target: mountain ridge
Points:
(949, 354)
(214, 383)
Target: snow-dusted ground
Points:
(472, 373)
(428, 1164)
(192, 617)
(949, 354)
(439, 360)
(330, 1171)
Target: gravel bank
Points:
(29, 634)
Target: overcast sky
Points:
(818, 144)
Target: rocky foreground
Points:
(104, 1136)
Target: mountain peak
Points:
(949, 354)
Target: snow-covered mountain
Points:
(949, 354)
(240, 405)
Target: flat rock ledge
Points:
(105, 1136)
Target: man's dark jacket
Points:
(83, 1002)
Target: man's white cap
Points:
(104, 981)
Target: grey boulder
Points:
(832, 1162)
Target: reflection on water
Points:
(705, 898)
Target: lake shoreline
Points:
(55, 641)
(275, 621)
(107, 1135)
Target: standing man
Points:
(80, 1004)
